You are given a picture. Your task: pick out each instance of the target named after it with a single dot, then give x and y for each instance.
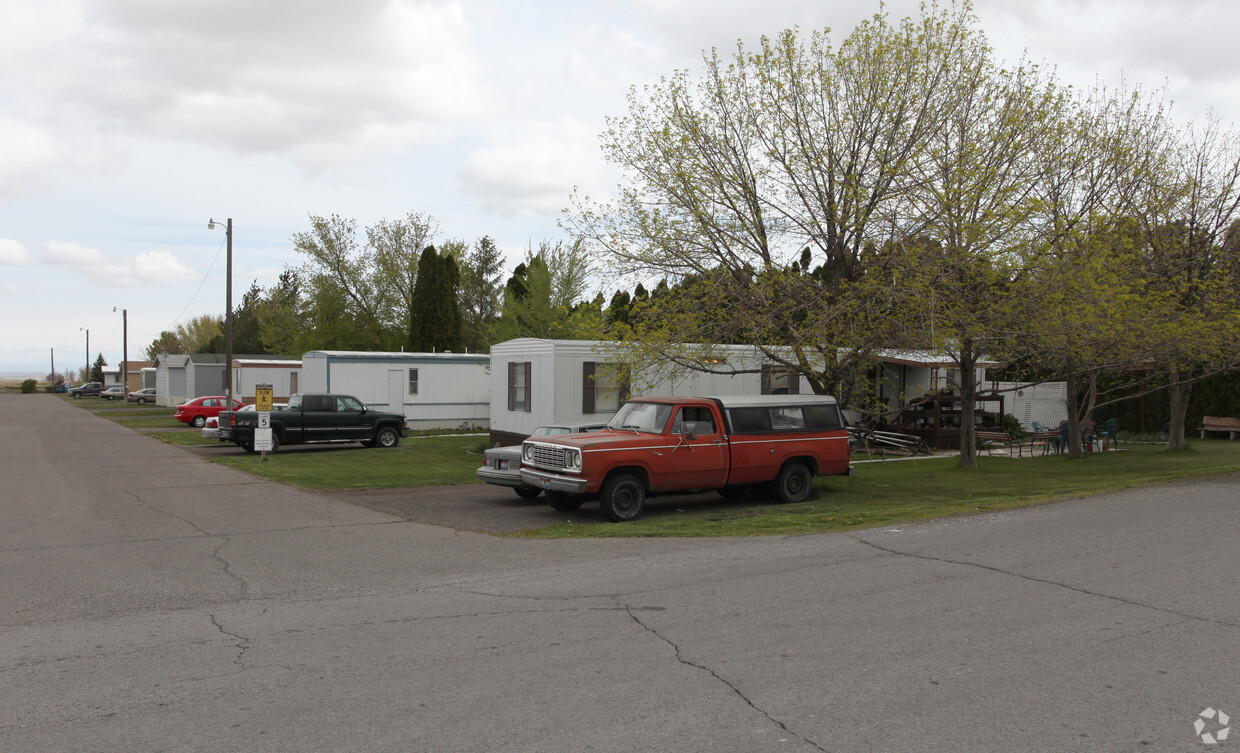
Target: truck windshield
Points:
(646, 417)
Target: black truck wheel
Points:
(387, 437)
(794, 483)
(622, 497)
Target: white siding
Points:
(453, 389)
(557, 383)
(248, 374)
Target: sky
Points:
(125, 125)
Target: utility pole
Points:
(228, 312)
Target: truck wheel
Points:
(527, 492)
(387, 437)
(247, 446)
(622, 498)
(733, 492)
(794, 483)
(275, 442)
(200, 421)
(77, 396)
(564, 502)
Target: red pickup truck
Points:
(667, 444)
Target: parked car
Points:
(143, 396)
(90, 389)
(115, 392)
(223, 431)
(670, 444)
(502, 465)
(211, 430)
(197, 411)
(321, 417)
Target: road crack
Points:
(1048, 581)
(242, 643)
(680, 657)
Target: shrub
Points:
(28, 386)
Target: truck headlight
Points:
(527, 452)
(572, 460)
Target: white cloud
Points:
(12, 253)
(534, 167)
(153, 268)
(266, 77)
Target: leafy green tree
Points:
(1192, 258)
(543, 293)
(798, 152)
(167, 342)
(481, 270)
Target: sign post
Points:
(262, 431)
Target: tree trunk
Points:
(1075, 450)
(968, 402)
(1179, 394)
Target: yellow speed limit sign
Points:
(263, 397)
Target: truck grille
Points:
(549, 457)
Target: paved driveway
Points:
(154, 601)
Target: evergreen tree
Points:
(96, 371)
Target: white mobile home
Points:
(432, 390)
(283, 374)
(535, 382)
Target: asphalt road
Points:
(153, 601)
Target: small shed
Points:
(535, 382)
(283, 373)
(432, 390)
(180, 377)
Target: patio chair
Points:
(1110, 432)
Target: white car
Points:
(502, 465)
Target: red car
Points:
(198, 410)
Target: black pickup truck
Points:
(321, 418)
(90, 389)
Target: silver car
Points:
(502, 465)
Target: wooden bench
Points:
(1039, 439)
(990, 439)
(1228, 426)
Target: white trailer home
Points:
(283, 374)
(536, 382)
(432, 390)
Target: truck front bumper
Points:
(553, 482)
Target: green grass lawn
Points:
(880, 493)
(416, 461)
(903, 491)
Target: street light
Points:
(125, 352)
(86, 374)
(228, 312)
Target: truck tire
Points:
(527, 492)
(275, 441)
(564, 502)
(622, 497)
(794, 484)
(387, 437)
